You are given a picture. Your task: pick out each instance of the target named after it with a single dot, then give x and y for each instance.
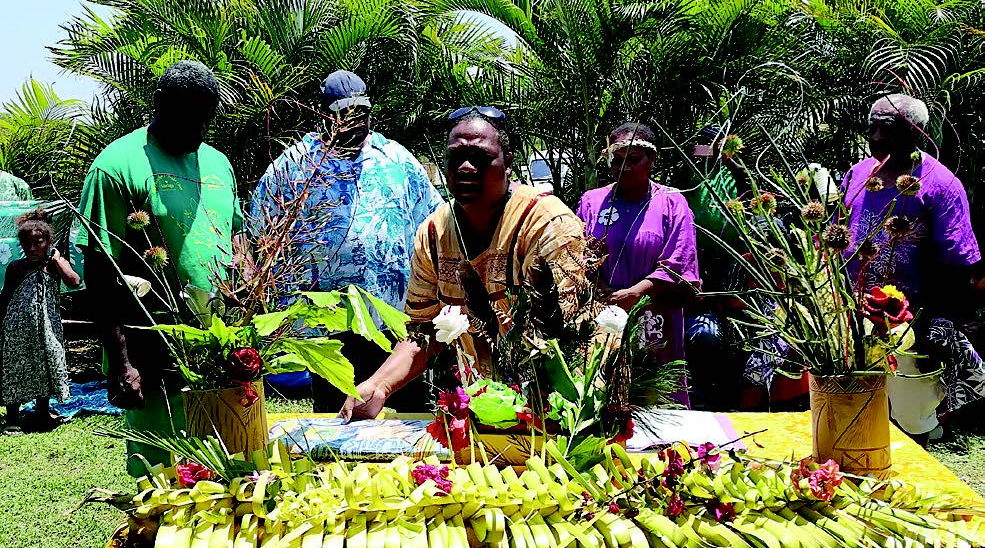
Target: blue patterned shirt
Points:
(364, 212)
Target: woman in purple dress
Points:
(649, 235)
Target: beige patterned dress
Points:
(33, 355)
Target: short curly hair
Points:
(186, 78)
(32, 222)
(633, 130)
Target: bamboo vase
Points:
(850, 423)
(242, 428)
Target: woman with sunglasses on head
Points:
(648, 232)
(487, 230)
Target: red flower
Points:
(250, 395)
(244, 364)
(675, 507)
(893, 364)
(886, 306)
(801, 471)
(454, 403)
(675, 468)
(527, 416)
(453, 433)
(192, 473)
(626, 433)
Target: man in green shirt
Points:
(163, 176)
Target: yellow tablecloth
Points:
(789, 435)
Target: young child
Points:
(33, 358)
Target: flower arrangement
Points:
(550, 375)
(794, 245)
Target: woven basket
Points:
(850, 423)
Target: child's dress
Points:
(33, 355)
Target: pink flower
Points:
(723, 511)
(825, 480)
(675, 468)
(250, 395)
(437, 474)
(675, 507)
(801, 471)
(452, 433)
(192, 473)
(613, 508)
(454, 403)
(709, 456)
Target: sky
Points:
(26, 28)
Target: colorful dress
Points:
(361, 215)
(33, 355)
(653, 238)
(534, 225)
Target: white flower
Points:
(826, 186)
(450, 324)
(5, 254)
(612, 320)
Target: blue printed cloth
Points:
(89, 397)
(363, 213)
(372, 440)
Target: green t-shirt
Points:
(191, 200)
(708, 214)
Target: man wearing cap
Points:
(366, 197)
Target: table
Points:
(788, 435)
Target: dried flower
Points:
(736, 207)
(675, 507)
(138, 220)
(908, 185)
(813, 211)
(898, 226)
(837, 237)
(156, 257)
(438, 474)
(802, 177)
(243, 364)
(867, 250)
(874, 184)
(192, 473)
(709, 456)
(765, 203)
(731, 145)
(776, 257)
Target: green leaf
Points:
(586, 453)
(332, 319)
(557, 372)
(323, 299)
(182, 331)
(395, 320)
(361, 321)
(268, 323)
(323, 357)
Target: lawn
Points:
(42, 476)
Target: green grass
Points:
(44, 475)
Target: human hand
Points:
(625, 298)
(55, 254)
(124, 389)
(373, 397)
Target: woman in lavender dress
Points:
(649, 235)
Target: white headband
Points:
(626, 143)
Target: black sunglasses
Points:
(492, 115)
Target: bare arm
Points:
(103, 287)
(58, 266)
(407, 361)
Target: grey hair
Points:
(911, 109)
